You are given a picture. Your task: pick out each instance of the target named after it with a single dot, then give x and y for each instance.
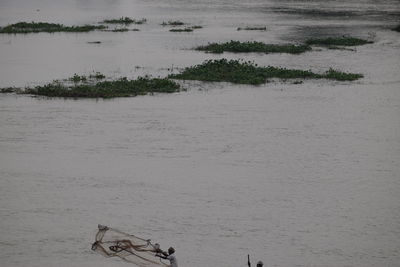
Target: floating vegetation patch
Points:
(252, 29)
(124, 20)
(77, 78)
(94, 42)
(246, 72)
(195, 27)
(246, 47)
(173, 23)
(343, 41)
(34, 27)
(181, 30)
(397, 28)
(97, 75)
(120, 30)
(9, 90)
(106, 89)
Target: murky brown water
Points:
(294, 175)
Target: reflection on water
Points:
(292, 174)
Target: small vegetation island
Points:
(35, 27)
(342, 41)
(252, 29)
(90, 87)
(173, 23)
(124, 20)
(246, 72)
(260, 47)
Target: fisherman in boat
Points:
(169, 256)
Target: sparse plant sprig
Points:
(124, 20)
(252, 29)
(97, 75)
(173, 23)
(246, 47)
(343, 41)
(78, 78)
(181, 30)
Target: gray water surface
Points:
(292, 174)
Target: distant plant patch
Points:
(344, 41)
(106, 89)
(173, 23)
(124, 20)
(397, 28)
(246, 47)
(252, 29)
(34, 27)
(120, 30)
(9, 90)
(181, 30)
(246, 72)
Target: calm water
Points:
(294, 175)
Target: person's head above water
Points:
(260, 264)
(171, 250)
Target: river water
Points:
(292, 174)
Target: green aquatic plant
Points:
(97, 75)
(234, 71)
(344, 41)
(246, 47)
(246, 72)
(77, 78)
(34, 27)
(124, 20)
(397, 28)
(107, 89)
(252, 29)
(195, 27)
(181, 30)
(9, 90)
(120, 30)
(173, 23)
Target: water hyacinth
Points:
(106, 89)
(260, 47)
(344, 41)
(35, 27)
(247, 72)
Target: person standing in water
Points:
(169, 256)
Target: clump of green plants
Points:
(94, 42)
(107, 89)
(252, 29)
(97, 75)
(195, 27)
(124, 20)
(246, 47)
(120, 30)
(234, 71)
(343, 41)
(173, 23)
(34, 27)
(78, 78)
(9, 90)
(397, 28)
(246, 72)
(181, 30)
